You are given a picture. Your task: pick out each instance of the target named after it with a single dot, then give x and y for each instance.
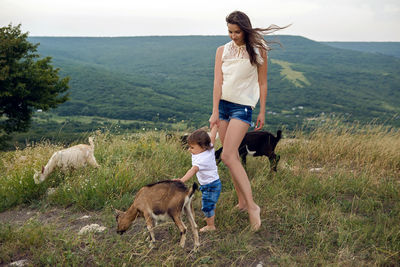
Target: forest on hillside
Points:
(379, 48)
(163, 81)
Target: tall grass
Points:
(373, 149)
(346, 212)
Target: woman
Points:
(240, 80)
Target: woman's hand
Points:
(214, 120)
(260, 121)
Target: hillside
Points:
(170, 79)
(380, 48)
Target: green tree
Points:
(27, 83)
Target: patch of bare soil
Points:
(73, 221)
(66, 219)
(63, 219)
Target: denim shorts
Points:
(229, 110)
(210, 194)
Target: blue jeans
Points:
(229, 110)
(210, 194)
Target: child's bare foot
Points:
(255, 220)
(208, 228)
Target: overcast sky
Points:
(320, 20)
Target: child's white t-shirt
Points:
(208, 171)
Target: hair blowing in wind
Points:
(253, 37)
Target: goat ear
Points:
(118, 212)
(42, 169)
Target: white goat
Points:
(69, 158)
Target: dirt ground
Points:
(65, 218)
(73, 221)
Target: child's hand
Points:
(213, 135)
(178, 180)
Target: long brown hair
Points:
(253, 37)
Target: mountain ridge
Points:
(140, 77)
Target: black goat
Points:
(184, 140)
(257, 143)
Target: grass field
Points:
(295, 77)
(335, 200)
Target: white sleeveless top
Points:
(240, 78)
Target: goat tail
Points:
(278, 135)
(91, 142)
(193, 189)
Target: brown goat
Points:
(157, 201)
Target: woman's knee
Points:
(228, 158)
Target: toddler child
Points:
(201, 145)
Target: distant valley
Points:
(169, 80)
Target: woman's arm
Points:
(189, 174)
(262, 81)
(217, 91)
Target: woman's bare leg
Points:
(233, 137)
(242, 205)
(223, 126)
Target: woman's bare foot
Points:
(208, 228)
(254, 216)
(240, 208)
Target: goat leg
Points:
(273, 161)
(243, 157)
(190, 214)
(182, 228)
(149, 224)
